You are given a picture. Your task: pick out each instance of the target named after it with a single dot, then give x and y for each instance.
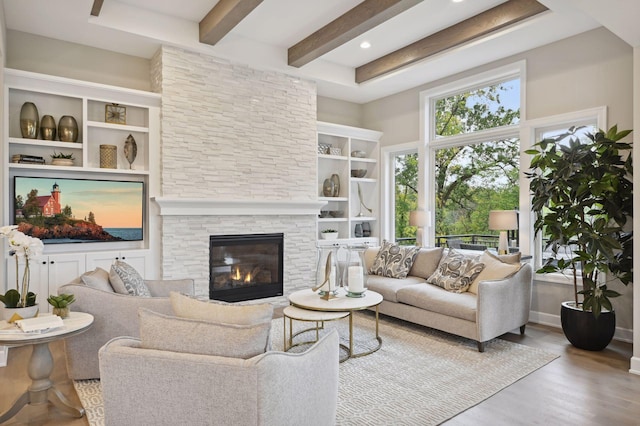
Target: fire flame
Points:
(247, 279)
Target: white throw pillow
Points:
(495, 268)
(126, 280)
(187, 307)
(168, 333)
(98, 279)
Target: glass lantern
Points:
(355, 272)
(327, 272)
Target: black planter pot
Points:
(584, 330)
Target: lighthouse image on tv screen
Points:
(64, 210)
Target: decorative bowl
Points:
(324, 213)
(358, 154)
(336, 213)
(358, 173)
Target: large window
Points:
(405, 194)
(472, 156)
(589, 121)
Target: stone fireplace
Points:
(245, 267)
(238, 157)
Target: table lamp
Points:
(503, 221)
(418, 218)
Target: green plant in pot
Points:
(19, 302)
(61, 304)
(583, 200)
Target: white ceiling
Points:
(139, 27)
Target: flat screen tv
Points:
(65, 210)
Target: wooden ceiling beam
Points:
(225, 15)
(355, 22)
(97, 6)
(491, 20)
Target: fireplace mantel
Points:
(214, 207)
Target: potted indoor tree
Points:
(582, 197)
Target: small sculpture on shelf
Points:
(362, 202)
(130, 150)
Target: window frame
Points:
(531, 131)
(429, 143)
(388, 204)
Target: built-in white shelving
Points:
(353, 149)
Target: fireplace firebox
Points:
(245, 267)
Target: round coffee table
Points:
(310, 301)
(42, 390)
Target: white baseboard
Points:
(635, 365)
(4, 353)
(621, 334)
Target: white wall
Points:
(589, 70)
(44, 55)
(339, 112)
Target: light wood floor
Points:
(579, 388)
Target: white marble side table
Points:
(42, 389)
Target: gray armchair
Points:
(154, 387)
(114, 315)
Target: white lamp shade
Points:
(418, 218)
(503, 220)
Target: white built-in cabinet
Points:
(347, 142)
(86, 102)
(47, 274)
(139, 259)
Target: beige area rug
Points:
(418, 377)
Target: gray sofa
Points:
(157, 387)
(114, 315)
(499, 306)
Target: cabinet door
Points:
(138, 259)
(47, 274)
(103, 259)
(38, 273)
(64, 268)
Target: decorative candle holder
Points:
(355, 272)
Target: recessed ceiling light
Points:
(457, 1)
(365, 45)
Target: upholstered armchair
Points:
(114, 315)
(159, 387)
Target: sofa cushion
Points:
(98, 279)
(456, 272)
(394, 261)
(169, 333)
(426, 262)
(435, 299)
(187, 307)
(388, 287)
(495, 268)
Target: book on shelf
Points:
(31, 159)
(24, 157)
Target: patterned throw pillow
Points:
(124, 276)
(456, 272)
(394, 261)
